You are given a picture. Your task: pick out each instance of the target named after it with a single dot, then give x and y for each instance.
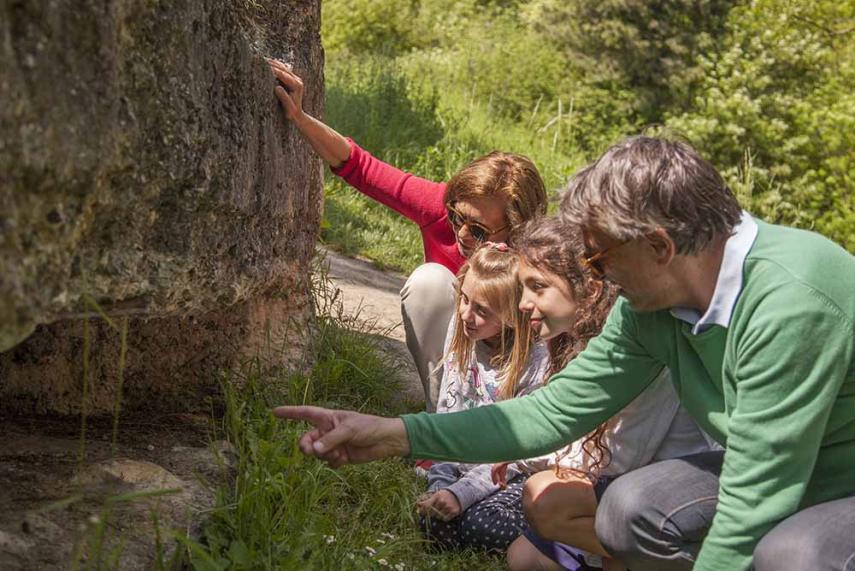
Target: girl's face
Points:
(547, 299)
(479, 321)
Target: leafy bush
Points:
(366, 26)
(431, 84)
(647, 46)
(779, 100)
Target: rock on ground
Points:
(146, 173)
(62, 503)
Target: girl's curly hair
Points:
(547, 243)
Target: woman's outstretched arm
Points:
(418, 199)
(330, 145)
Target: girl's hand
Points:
(290, 96)
(499, 474)
(423, 503)
(344, 437)
(442, 505)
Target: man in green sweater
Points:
(756, 323)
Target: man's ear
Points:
(663, 246)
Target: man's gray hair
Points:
(644, 183)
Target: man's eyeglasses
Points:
(594, 262)
(478, 231)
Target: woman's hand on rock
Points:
(344, 437)
(326, 141)
(291, 95)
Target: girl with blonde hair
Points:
(489, 356)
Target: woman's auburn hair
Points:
(495, 279)
(548, 243)
(507, 175)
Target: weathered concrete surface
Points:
(145, 167)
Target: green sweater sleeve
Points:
(790, 361)
(610, 373)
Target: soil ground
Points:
(374, 295)
(52, 503)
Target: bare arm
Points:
(330, 145)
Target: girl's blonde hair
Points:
(495, 279)
(509, 176)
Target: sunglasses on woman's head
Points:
(478, 231)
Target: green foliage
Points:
(780, 100)
(364, 26)
(285, 511)
(435, 83)
(647, 47)
(372, 98)
(511, 69)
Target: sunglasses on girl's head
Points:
(477, 230)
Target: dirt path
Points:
(373, 295)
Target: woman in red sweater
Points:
(484, 201)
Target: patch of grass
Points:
(286, 511)
(357, 226)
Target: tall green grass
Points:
(285, 511)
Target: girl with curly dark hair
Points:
(567, 306)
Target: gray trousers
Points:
(427, 304)
(655, 519)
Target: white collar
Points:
(728, 285)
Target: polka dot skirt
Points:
(489, 525)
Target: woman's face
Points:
(547, 299)
(489, 213)
(479, 321)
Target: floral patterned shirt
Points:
(481, 382)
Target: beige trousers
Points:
(427, 303)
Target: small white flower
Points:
(380, 541)
(387, 535)
(399, 566)
(329, 538)
(383, 562)
(371, 551)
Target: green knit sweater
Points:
(776, 387)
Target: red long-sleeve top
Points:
(418, 199)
